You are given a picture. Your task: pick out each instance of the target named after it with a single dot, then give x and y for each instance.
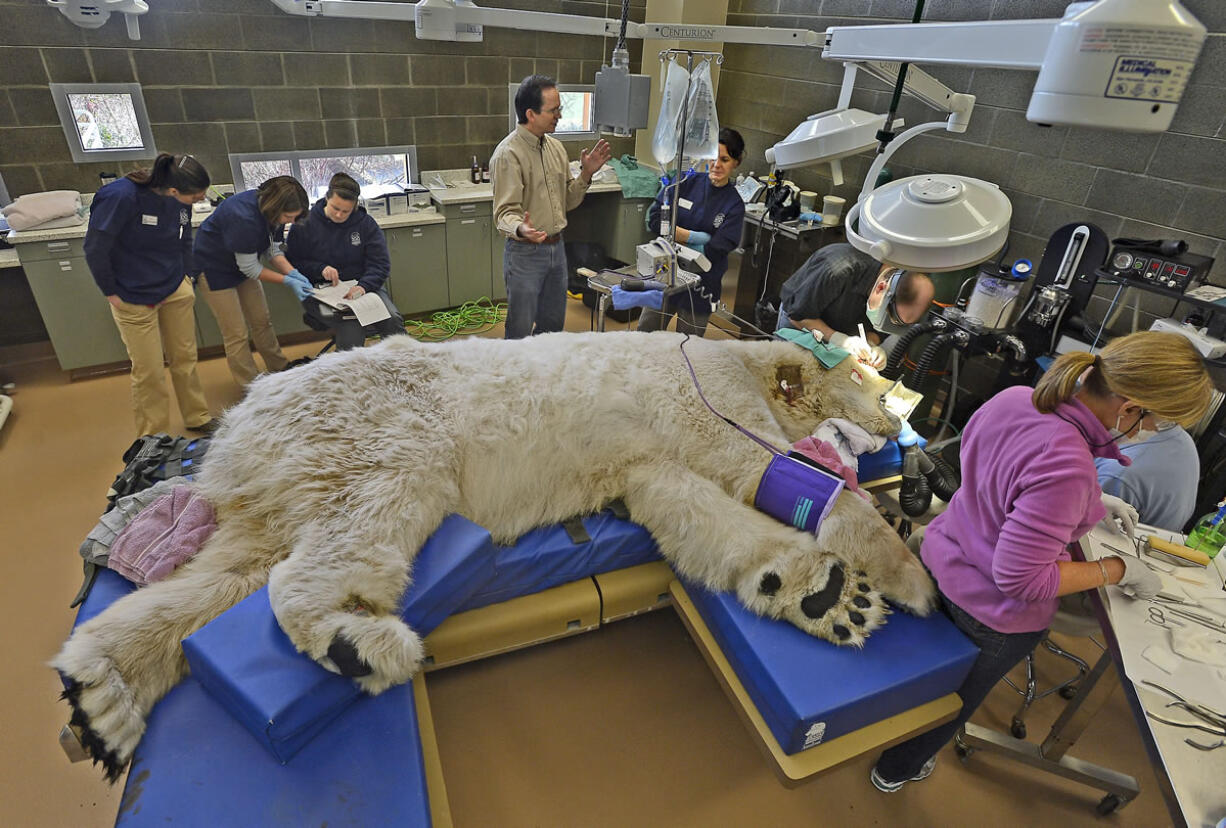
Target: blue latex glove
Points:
(299, 284)
(698, 240)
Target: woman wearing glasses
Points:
(237, 248)
(999, 553)
(139, 250)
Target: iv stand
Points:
(665, 54)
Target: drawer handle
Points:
(417, 234)
(468, 208)
(469, 221)
(56, 247)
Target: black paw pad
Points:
(770, 584)
(861, 602)
(842, 632)
(863, 587)
(816, 604)
(860, 573)
(345, 656)
(855, 618)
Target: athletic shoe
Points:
(207, 427)
(882, 785)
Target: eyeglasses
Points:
(557, 110)
(1160, 425)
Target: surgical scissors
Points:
(1157, 616)
(1215, 720)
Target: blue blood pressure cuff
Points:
(796, 491)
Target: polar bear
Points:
(327, 479)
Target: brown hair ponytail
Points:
(182, 172)
(344, 187)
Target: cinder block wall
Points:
(222, 76)
(1171, 185)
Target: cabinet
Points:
(76, 315)
(630, 229)
(284, 309)
(469, 257)
(418, 280)
(498, 279)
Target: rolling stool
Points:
(1072, 618)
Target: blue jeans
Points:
(998, 652)
(536, 287)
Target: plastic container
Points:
(994, 298)
(702, 124)
(1209, 534)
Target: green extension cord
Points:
(470, 318)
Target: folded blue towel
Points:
(623, 299)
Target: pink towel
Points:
(828, 456)
(167, 533)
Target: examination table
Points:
(216, 756)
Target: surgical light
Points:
(828, 137)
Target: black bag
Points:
(156, 457)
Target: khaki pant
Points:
(236, 309)
(146, 332)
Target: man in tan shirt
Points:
(533, 189)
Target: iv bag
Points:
(664, 141)
(702, 124)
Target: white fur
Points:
(327, 479)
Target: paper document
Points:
(368, 307)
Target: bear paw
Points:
(376, 651)
(819, 595)
(106, 715)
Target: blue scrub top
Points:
(138, 244)
(236, 226)
(718, 211)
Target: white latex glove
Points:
(1118, 510)
(1139, 581)
(859, 347)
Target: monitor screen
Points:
(104, 121)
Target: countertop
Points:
(466, 193)
(78, 232)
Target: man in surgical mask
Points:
(840, 292)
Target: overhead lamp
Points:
(931, 223)
(93, 14)
(827, 137)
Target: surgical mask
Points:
(1117, 434)
(1141, 435)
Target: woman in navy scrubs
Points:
(236, 249)
(139, 250)
(340, 241)
(709, 218)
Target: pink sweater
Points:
(1029, 488)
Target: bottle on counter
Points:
(1209, 534)
(485, 173)
(474, 174)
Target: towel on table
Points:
(35, 210)
(827, 355)
(848, 439)
(623, 298)
(166, 534)
(828, 456)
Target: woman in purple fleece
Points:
(999, 553)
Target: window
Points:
(104, 121)
(378, 169)
(576, 122)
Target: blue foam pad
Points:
(809, 690)
(547, 557)
(108, 588)
(885, 462)
(197, 766)
(284, 698)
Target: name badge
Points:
(148, 219)
(685, 204)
